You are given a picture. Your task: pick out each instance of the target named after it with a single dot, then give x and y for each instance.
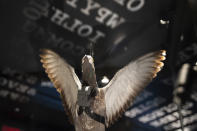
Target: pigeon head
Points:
(87, 64)
(87, 59)
(88, 70)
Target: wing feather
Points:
(129, 82)
(64, 79)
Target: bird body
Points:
(87, 120)
(91, 108)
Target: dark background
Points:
(28, 100)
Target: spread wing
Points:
(64, 79)
(129, 82)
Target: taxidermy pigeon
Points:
(91, 108)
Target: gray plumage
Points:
(110, 101)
